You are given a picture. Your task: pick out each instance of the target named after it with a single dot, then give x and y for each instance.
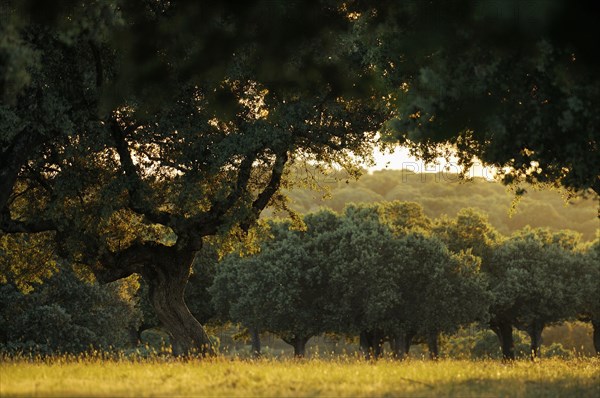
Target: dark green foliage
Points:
(350, 274)
(364, 275)
(588, 284)
(514, 84)
(155, 338)
(26, 259)
(534, 278)
(469, 231)
(67, 314)
(387, 270)
(282, 289)
(401, 284)
(149, 318)
(589, 290)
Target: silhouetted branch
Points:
(137, 201)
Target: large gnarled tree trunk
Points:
(166, 269)
(167, 278)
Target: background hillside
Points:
(444, 193)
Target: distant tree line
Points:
(444, 193)
(386, 272)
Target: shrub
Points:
(66, 314)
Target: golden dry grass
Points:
(342, 378)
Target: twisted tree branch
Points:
(137, 201)
(115, 266)
(9, 225)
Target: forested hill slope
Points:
(444, 193)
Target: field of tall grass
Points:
(64, 377)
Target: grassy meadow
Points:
(61, 377)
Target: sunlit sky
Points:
(401, 159)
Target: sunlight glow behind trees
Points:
(401, 159)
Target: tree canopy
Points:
(281, 289)
(534, 277)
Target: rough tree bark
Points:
(166, 269)
(397, 346)
(408, 341)
(503, 330)
(300, 347)
(167, 278)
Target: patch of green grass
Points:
(343, 378)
